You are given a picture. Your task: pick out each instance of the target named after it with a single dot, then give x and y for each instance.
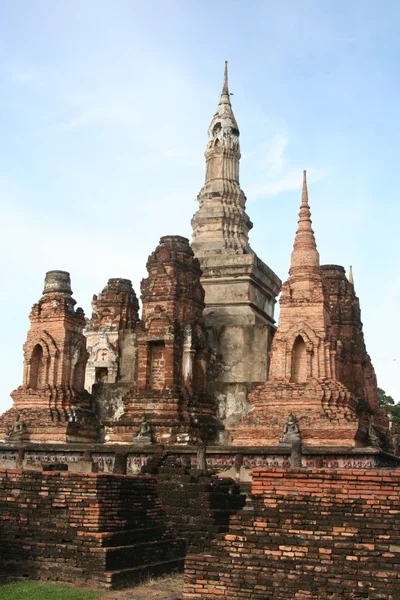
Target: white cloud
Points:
(272, 173)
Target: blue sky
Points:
(104, 109)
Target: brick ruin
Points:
(193, 367)
(182, 402)
(99, 528)
(110, 334)
(326, 535)
(147, 376)
(52, 404)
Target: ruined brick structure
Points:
(169, 388)
(307, 534)
(198, 504)
(52, 404)
(321, 377)
(105, 529)
(193, 368)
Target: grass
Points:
(31, 590)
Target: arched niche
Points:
(37, 368)
(78, 375)
(299, 361)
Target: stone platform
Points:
(227, 461)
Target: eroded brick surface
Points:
(172, 353)
(315, 534)
(109, 529)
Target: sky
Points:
(104, 109)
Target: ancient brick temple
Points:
(193, 394)
(168, 396)
(197, 366)
(322, 387)
(148, 375)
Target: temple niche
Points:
(112, 325)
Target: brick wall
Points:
(157, 365)
(197, 504)
(74, 526)
(307, 534)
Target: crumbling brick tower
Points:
(172, 353)
(51, 404)
(304, 376)
(353, 364)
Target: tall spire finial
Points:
(305, 253)
(305, 213)
(351, 278)
(225, 89)
(304, 194)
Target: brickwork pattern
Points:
(307, 534)
(198, 504)
(171, 351)
(102, 528)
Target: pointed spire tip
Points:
(304, 196)
(351, 278)
(225, 90)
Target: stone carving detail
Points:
(15, 431)
(372, 437)
(114, 314)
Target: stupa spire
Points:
(351, 278)
(223, 130)
(305, 254)
(221, 223)
(225, 88)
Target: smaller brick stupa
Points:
(312, 395)
(52, 405)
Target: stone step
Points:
(136, 555)
(126, 577)
(132, 536)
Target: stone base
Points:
(236, 462)
(45, 426)
(240, 292)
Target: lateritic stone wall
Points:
(307, 534)
(109, 529)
